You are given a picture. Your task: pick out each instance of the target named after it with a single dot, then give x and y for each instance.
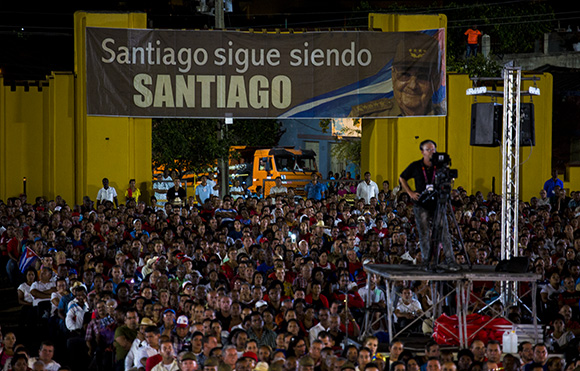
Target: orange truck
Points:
(260, 166)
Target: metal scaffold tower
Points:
(462, 281)
(512, 79)
(511, 175)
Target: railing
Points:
(163, 186)
(346, 188)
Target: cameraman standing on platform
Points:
(424, 173)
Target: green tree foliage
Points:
(513, 27)
(348, 150)
(194, 145)
(183, 144)
(478, 66)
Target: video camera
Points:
(443, 182)
(444, 175)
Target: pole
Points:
(389, 310)
(223, 163)
(368, 318)
(219, 14)
(511, 175)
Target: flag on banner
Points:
(338, 103)
(27, 258)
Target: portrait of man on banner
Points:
(417, 79)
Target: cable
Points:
(290, 14)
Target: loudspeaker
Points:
(527, 127)
(517, 264)
(487, 124)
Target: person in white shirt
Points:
(377, 296)
(278, 189)
(61, 290)
(407, 310)
(322, 325)
(215, 189)
(367, 189)
(138, 343)
(24, 296)
(45, 354)
(151, 348)
(77, 309)
(168, 362)
(107, 193)
(237, 190)
(41, 292)
(160, 187)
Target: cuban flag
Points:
(27, 258)
(338, 103)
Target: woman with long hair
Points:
(7, 351)
(25, 299)
(297, 347)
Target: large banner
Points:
(217, 74)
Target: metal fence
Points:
(345, 188)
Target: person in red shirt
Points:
(14, 249)
(381, 228)
(315, 297)
(354, 264)
(354, 299)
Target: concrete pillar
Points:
(485, 45)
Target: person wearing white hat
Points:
(77, 308)
(182, 336)
(261, 366)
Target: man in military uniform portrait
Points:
(416, 76)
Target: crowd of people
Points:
(265, 282)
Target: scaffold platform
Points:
(459, 286)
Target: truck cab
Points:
(261, 166)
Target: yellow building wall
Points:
(389, 145)
(480, 168)
(36, 132)
(20, 133)
(47, 138)
(118, 148)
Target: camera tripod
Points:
(439, 227)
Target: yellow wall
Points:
(573, 179)
(36, 139)
(118, 148)
(47, 137)
(479, 165)
(389, 145)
